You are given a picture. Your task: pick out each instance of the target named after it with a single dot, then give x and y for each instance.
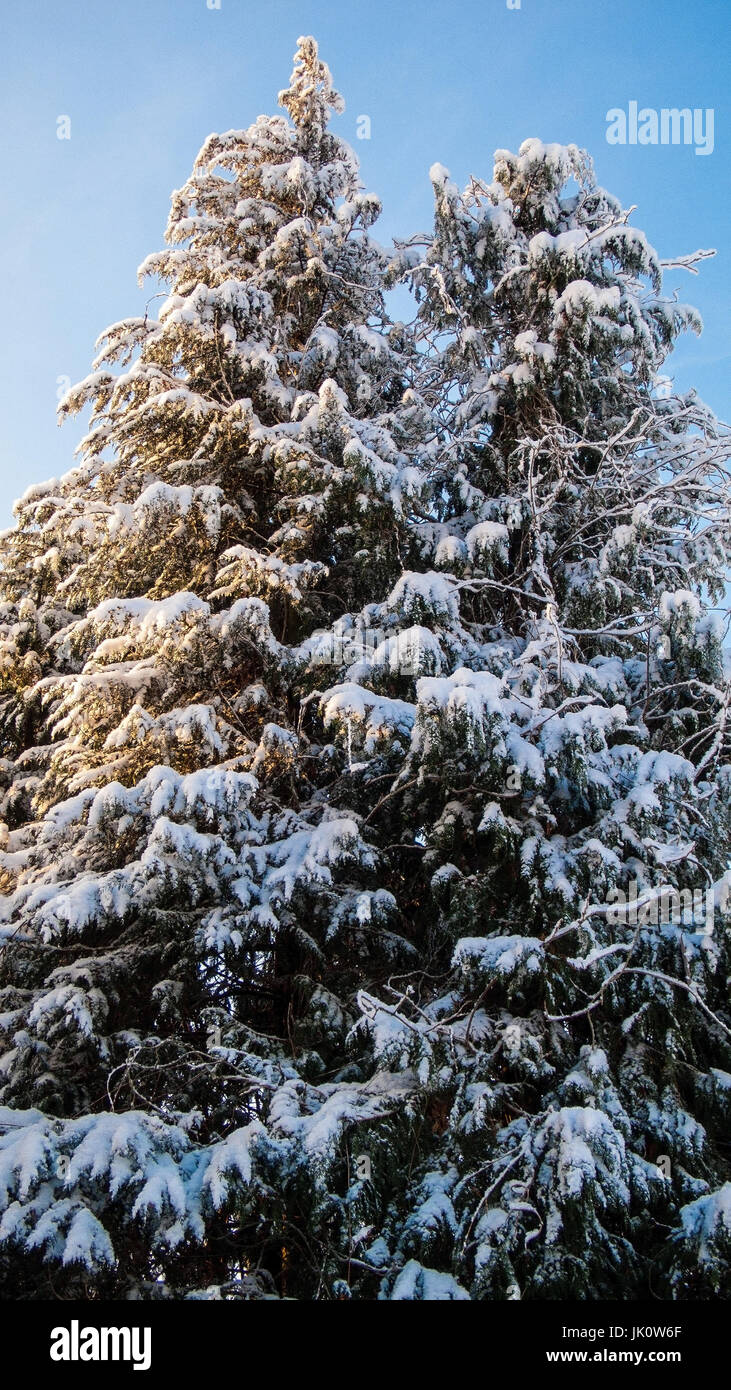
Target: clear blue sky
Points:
(144, 81)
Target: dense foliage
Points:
(365, 772)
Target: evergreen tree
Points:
(362, 712)
(186, 910)
(569, 765)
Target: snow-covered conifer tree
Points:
(569, 767)
(363, 709)
(186, 910)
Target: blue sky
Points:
(144, 81)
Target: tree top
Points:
(311, 93)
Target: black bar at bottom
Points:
(157, 1339)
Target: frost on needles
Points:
(349, 679)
